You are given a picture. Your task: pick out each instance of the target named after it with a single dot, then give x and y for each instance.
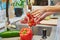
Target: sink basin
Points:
(37, 30)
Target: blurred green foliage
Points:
(19, 3)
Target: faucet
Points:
(44, 32)
(44, 36)
(7, 15)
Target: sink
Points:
(37, 30)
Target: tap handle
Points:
(44, 32)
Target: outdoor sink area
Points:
(37, 30)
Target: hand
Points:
(43, 13)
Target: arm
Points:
(49, 10)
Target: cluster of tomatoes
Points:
(29, 20)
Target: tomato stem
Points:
(24, 32)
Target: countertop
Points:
(36, 37)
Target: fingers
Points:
(38, 12)
(41, 13)
(34, 11)
(58, 3)
(43, 16)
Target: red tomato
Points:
(32, 16)
(25, 21)
(31, 22)
(26, 34)
(29, 15)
